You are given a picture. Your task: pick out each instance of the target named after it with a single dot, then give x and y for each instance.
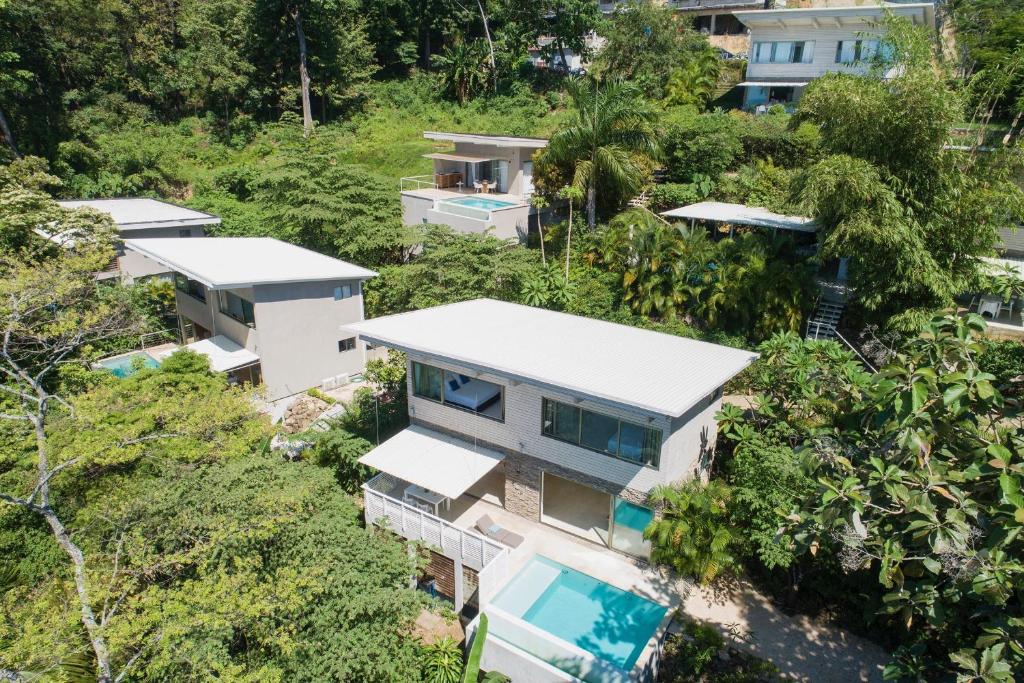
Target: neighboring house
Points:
(480, 183)
(546, 55)
(791, 47)
(711, 17)
(272, 309)
(143, 218)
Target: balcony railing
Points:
(416, 182)
(472, 549)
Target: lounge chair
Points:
(486, 526)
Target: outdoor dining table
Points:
(990, 305)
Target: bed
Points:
(470, 393)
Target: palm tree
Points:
(695, 81)
(606, 142)
(540, 202)
(463, 69)
(693, 535)
(571, 194)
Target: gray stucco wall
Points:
(298, 325)
(134, 265)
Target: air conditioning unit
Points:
(342, 380)
(329, 383)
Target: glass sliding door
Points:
(627, 528)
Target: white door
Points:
(527, 179)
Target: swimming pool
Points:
(124, 365)
(480, 203)
(612, 624)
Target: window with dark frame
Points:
(236, 307)
(346, 344)
(456, 390)
(602, 433)
(195, 289)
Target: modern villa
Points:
(480, 183)
(553, 424)
(791, 47)
(265, 310)
(144, 218)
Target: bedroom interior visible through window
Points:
(458, 390)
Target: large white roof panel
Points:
(655, 372)
(142, 212)
(740, 214)
(231, 262)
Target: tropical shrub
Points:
(339, 451)
(693, 534)
(665, 196)
(441, 661)
(701, 145)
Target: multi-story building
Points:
(144, 218)
(265, 310)
(791, 47)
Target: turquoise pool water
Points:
(122, 366)
(480, 203)
(609, 623)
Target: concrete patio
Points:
(802, 649)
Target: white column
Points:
(459, 598)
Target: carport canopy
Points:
(437, 462)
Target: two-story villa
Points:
(144, 218)
(560, 422)
(265, 310)
(791, 47)
(480, 183)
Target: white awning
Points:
(740, 214)
(223, 353)
(471, 158)
(772, 84)
(435, 461)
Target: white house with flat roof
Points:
(557, 420)
(282, 304)
(791, 47)
(480, 183)
(144, 218)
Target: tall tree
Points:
(608, 142)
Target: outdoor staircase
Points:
(824, 320)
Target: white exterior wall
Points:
(825, 41)
(514, 155)
(521, 431)
(134, 265)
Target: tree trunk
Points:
(540, 231)
(490, 44)
(307, 114)
(561, 53)
(5, 130)
(568, 243)
(92, 629)
(591, 208)
(426, 48)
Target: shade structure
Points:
(469, 158)
(772, 84)
(223, 353)
(740, 214)
(437, 462)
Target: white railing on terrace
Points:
(416, 182)
(472, 549)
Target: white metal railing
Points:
(819, 330)
(464, 211)
(416, 182)
(472, 549)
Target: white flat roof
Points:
(920, 13)
(772, 84)
(740, 214)
(232, 262)
(496, 140)
(432, 460)
(223, 353)
(626, 366)
(471, 158)
(142, 212)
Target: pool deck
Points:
(799, 647)
(453, 193)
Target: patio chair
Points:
(477, 186)
(486, 526)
